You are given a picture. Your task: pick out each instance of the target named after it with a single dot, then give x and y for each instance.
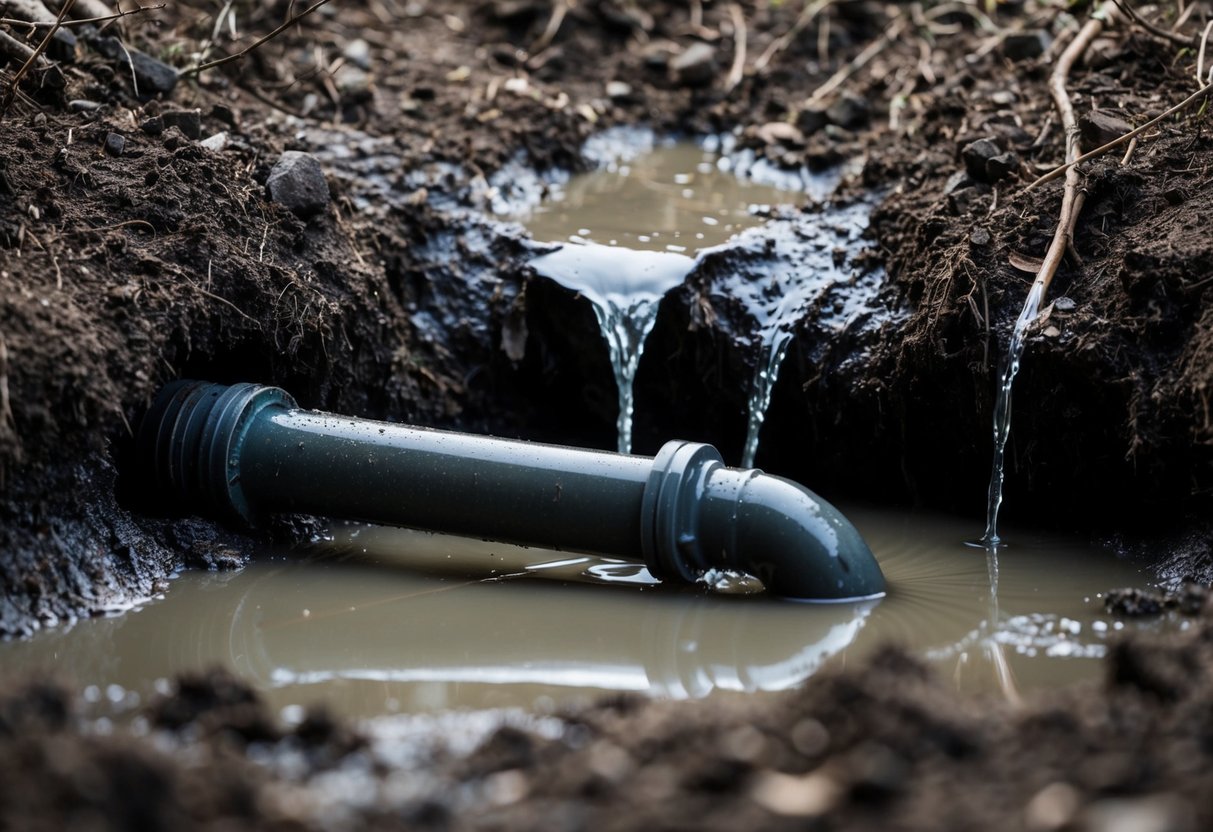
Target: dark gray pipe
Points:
(244, 451)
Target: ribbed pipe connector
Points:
(241, 452)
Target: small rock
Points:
(695, 67)
(225, 114)
(976, 154)
(297, 183)
(83, 105)
(811, 118)
(152, 76)
(779, 132)
(152, 126)
(353, 83)
(188, 122)
(658, 54)
(956, 182)
(849, 111)
(62, 47)
(1064, 304)
(1098, 127)
(1001, 166)
(980, 237)
(618, 91)
(1003, 98)
(358, 52)
(1022, 46)
(215, 143)
(115, 144)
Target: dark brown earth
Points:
(119, 273)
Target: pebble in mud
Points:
(115, 144)
(297, 183)
(695, 67)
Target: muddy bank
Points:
(889, 743)
(126, 267)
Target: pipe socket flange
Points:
(669, 518)
(191, 443)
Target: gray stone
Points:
(1022, 46)
(358, 52)
(62, 47)
(980, 237)
(849, 111)
(152, 76)
(115, 144)
(188, 122)
(1098, 127)
(1001, 167)
(618, 90)
(297, 183)
(215, 143)
(695, 66)
(83, 105)
(956, 182)
(976, 154)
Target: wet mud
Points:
(138, 244)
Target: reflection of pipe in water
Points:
(552, 636)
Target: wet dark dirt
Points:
(119, 273)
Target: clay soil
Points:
(121, 269)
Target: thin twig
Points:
(859, 61)
(1058, 171)
(781, 43)
(559, 9)
(37, 53)
(737, 71)
(67, 24)
(1200, 56)
(1157, 31)
(1128, 153)
(1073, 196)
(195, 70)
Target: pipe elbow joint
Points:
(700, 515)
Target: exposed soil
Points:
(123, 268)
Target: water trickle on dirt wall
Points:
(1002, 411)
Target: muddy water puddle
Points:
(676, 197)
(380, 621)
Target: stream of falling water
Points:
(626, 230)
(1002, 411)
(624, 287)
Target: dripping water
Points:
(774, 350)
(625, 288)
(1002, 411)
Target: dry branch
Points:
(1072, 196)
(1117, 142)
(31, 11)
(737, 71)
(82, 8)
(1159, 32)
(33, 59)
(195, 70)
